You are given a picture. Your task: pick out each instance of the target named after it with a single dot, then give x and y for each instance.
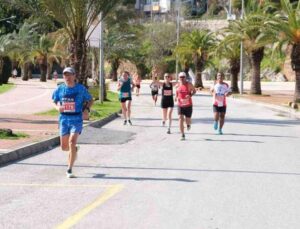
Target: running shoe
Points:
(169, 131)
(215, 125)
(130, 123)
(182, 137)
(125, 122)
(70, 174)
(188, 127)
(220, 131)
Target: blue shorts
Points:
(67, 126)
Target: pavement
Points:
(140, 177)
(18, 108)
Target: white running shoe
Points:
(70, 175)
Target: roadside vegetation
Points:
(6, 87)
(46, 34)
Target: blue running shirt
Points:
(72, 98)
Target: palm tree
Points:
(21, 45)
(230, 52)
(40, 52)
(197, 46)
(286, 26)
(249, 31)
(78, 17)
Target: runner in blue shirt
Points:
(70, 99)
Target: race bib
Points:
(69, 107)
(125, 94)
(220, 100)
(167, 92)
(185, 102)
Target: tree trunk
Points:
(297, 87)
(49, 71)
(30, 68)
(199, 64)
(78, 51)
(256, 58)
(234, 70)
(24, 71)
(295, 59)
(43, 69)
(114, 69)
(141, 69)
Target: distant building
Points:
(165, 6)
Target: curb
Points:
(43, 146)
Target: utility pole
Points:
(241, 57)
(177, 34)
(101, 62)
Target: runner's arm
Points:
(192, 89)
(119, 85)
(57, 106)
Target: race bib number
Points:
(185, 102)
(220, 100)
(69, 107)
(125, 95)
(167, 92)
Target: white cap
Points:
(182, 74)
(69, 70)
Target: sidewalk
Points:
(18, 108)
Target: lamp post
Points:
(241, 57)
(177, 34)
(101, 62)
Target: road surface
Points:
(139, 177)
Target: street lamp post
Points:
(101, 62)
(241, 57)
(177, 34)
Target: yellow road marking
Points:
(72, 220)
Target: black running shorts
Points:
(217, 109)
(186, 111)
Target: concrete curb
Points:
(40, 147)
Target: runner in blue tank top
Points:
(69, 99)
(125, 87)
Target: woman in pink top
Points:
(220, 91)
(184, 93)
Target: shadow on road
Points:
(264, 122)
(103, 176)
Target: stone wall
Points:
(213, 25)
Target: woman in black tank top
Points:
(167, 101)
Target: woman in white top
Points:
(220, 90)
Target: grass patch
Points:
(6, 87)
(15, 136)
(98, 110)
(52, 112)
(109, 107)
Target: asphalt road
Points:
(139, 177)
